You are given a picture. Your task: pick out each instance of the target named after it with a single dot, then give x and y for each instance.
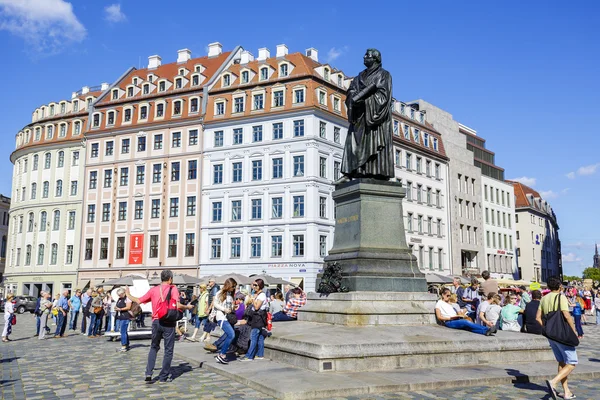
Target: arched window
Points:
(56, 224)
(40, 259)
(28, 255)
(33, 190)
(61, 159)
(194, 105)
(43, 221)
(30, 224)
(59, 188)
(46, 189)
(54, 254)
(36, 159)
(47, 161)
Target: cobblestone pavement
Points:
(77, 367)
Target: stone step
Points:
(283, 381)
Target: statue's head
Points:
(371, 57)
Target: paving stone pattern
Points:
(77, 367)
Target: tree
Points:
(591, 273)
(570, 278)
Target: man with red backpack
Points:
(165, 304)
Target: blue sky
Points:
(523, 74)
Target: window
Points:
(141, 143)
(419, 193)
(426, 140)
(34, 190)
(256, 170)
(143, 112)
(127, 115)
(174, 171)
(419, 162)
(160, 110)
(245, 76)
(277, 130)
(236, 247)
(299, 96)
(429, 225)
(298, 206)
(122, 214)
(237, 172)
(94, 152)
(61, 159)
(256, 209)
(336, 104)
(217, 211)
(277, 168)
(30, 223)
(77, 128)
(255, 246)
(438, 196)
(174, 207)
(105, 212)
(264, 74)
(158, 141)
(47, 161)
(176, 139)
(238, 105)
(172, 245)
(111, 118)
(298, 241)
(28, 255)
(155, 213)
(323, 207)
(192, 169)
(191, 206)
(190, 239)
(420, 223)
(278, 98)
(408, 161)
(153, 246)
(96, 120)
(322, 97)
(277, 207)
(161, 86)
(259, 102)
(218, 174)
(193, 137)
(146, 89)
(298, 165)
(276, 246)
(45, 189)
(59, 187)
(178, 83)
(40, 259)
(120, 248)
(218, 138)
(21, 224)
(107, 178)
(125, 146)
(75, 106)
(323, 167)
(298, 128)
(220, 108)
(56, 222)
(428, 168)
(257, 133)
(140, 174)
(109, 148)
(215, 246)
(336, 134)
(428, 196)
(91, 214)
(156, 173)
(139, 209)
(89, 248)
(124, 178)
(35, 163)
(398, 158)
(236, 210)
(226, 80)
(238, 136)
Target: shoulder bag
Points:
(557, 328)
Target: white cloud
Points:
(333, 53)
(47, 26)
(114, 14)
(577, 245)
(525, 180)
(584, 171)
(571, 257)
(548, 194)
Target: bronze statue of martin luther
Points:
(368, 151)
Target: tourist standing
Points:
(597, 305)
(565, 355)
(9, 311)
(37, 313)
(160, 330)
(122, 307)
(223, 305)
(74, 306)
(201, 313)
(45, 308)
(63, 310)
(257, 322)
(85, 310)
(96, 315)
(489, 285)
(578, 310)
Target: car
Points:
(2, 302)
(25, 303)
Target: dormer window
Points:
(336, 104)
(177, 107)
(143, 112)
(226, 80)
(322, 97)
(160, 110)
(426, 140)
(264, 74)
(62, 108)
(245, 76)
(195, 80)
(181, 71)
(422, 117)
(38, 133)
(75, 106)
(402, 109)
(135, 81)
(412, 113)
(161, 86)
(43, 112)
(146, 89)
(89, 102)
(283, 70)
(326, 74)
(130, 92)
(96, 121)
(197, 68)
(194, 105)
(111, 118)
(127, 115)
(435, 144)
(77, 126)
(51, 110)
(178, 83)
(150, 78)
(115, 94)
(340, 80)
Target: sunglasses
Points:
(254, 285)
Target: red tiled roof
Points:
(521, 192)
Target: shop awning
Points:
(297, 281)
(84, 285)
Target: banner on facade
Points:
(136, 248)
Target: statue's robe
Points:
(368, 150)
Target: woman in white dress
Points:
(9, 311)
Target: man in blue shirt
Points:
(63, 309)
(75, 306)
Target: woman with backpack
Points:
(122, 307)
(201, 314)
(223, 305)
(258, 320)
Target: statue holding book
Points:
(368, 151)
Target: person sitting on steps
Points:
(448, 316)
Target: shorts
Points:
(199, 321)
(563, 353)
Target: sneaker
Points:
(148, 379)
(242, 359)
(221, 360)
(124, 349)
(259, 358)
(210, 347)
(169, 379)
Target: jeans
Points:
(123, 325)
(229, 334)
(37, 324)
(73, 320)
(95, 322)
(597, 316)
(86, 320)
(257, 344)
(577, 319)
(467, 326)
(168, 334)
(43, 321)
(61, 324)
(281, 316)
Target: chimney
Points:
(246, 57)
(104, 86)
(85, 90)
(282, 50)
(214, 49)
(312, 53)
(184, 55)
(154, 62)
(263, 54)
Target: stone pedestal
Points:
(370, 242)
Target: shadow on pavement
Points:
(594, 359)
(8, 382)
(182, 368)
(9, 359)
(522, 382)
(135, 346)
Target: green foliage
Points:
(570, 278)
(591, 273)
